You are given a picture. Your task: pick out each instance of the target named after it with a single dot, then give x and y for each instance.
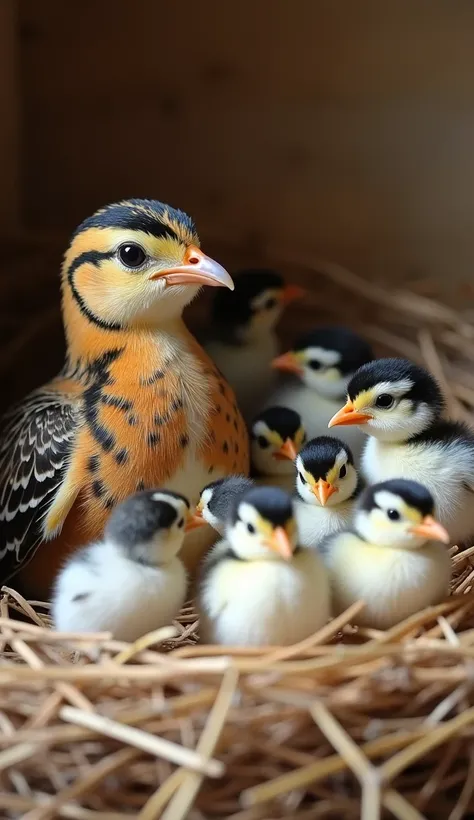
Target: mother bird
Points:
(137, 405)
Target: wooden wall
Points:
(343, 127)
(9, 119)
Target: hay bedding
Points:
(345, 724)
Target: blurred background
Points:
(338, 130)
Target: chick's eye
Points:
(250, 527)
(301, 477)
(262, 442)
(314, 364)
(270, 303)
(385, 400)
(343, 471)
(131, 255)
(394, 515)
(181, 523)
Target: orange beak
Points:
(195, 521)
(288, 363)
(324, 490)
(348, 415)
(429, 528)
(286, 451)
(292, 292)
(197, 269)
(280, 543)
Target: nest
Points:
(348, 723)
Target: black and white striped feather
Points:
(35, 442)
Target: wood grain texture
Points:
(340, 126)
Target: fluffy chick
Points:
(245, 340)
(399, 405)
(258, 587)
(327, 485)
(277, 435)
(217, 499)
(132, 581)
(319, 367)
(392, 559)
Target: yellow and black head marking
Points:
(392, 398)
(278, 433)
(262, 525)
(326, 472)
(325, 359)
(127, 258)
(398, 513)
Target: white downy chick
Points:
(319, 367)
(217, 499)
(245, 340)
(258, 587)
(132, 581)
(276, 437)
(327, 487)
(392, 558)
(399, 405)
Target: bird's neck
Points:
(87, 344)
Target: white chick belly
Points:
(125, 598)
(248, 371)
(269, 602)
(441, 469)
(316, 412)
(394, 584)
(316, 523)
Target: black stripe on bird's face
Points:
(89, 258)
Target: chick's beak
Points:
(280, 543)
(349, 415)
(286, 451)
(195, 521)
(429, 528)
(323, 490)
(197, 269)
(288, 363)
(290, 293)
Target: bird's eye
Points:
(394, 515)
(181, 523)
(270, 303)
(131, 255)
(262, 442)
(385, 401)
(250, 527)
(343, 471)
(314, 364)
(301, 477)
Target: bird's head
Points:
(149, 527)
(325, 359)
(135, 263)
(255, 306)
(398, 514)
(391, 399)
(277, 434)
(326, 474)
(216, 500)
(262, 525)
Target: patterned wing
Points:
(36, 440)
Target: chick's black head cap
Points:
(412, 493)
(139, 518)
(424, 387)
(282, 420)
(319, 455)
(352, 348)
(272, 503)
